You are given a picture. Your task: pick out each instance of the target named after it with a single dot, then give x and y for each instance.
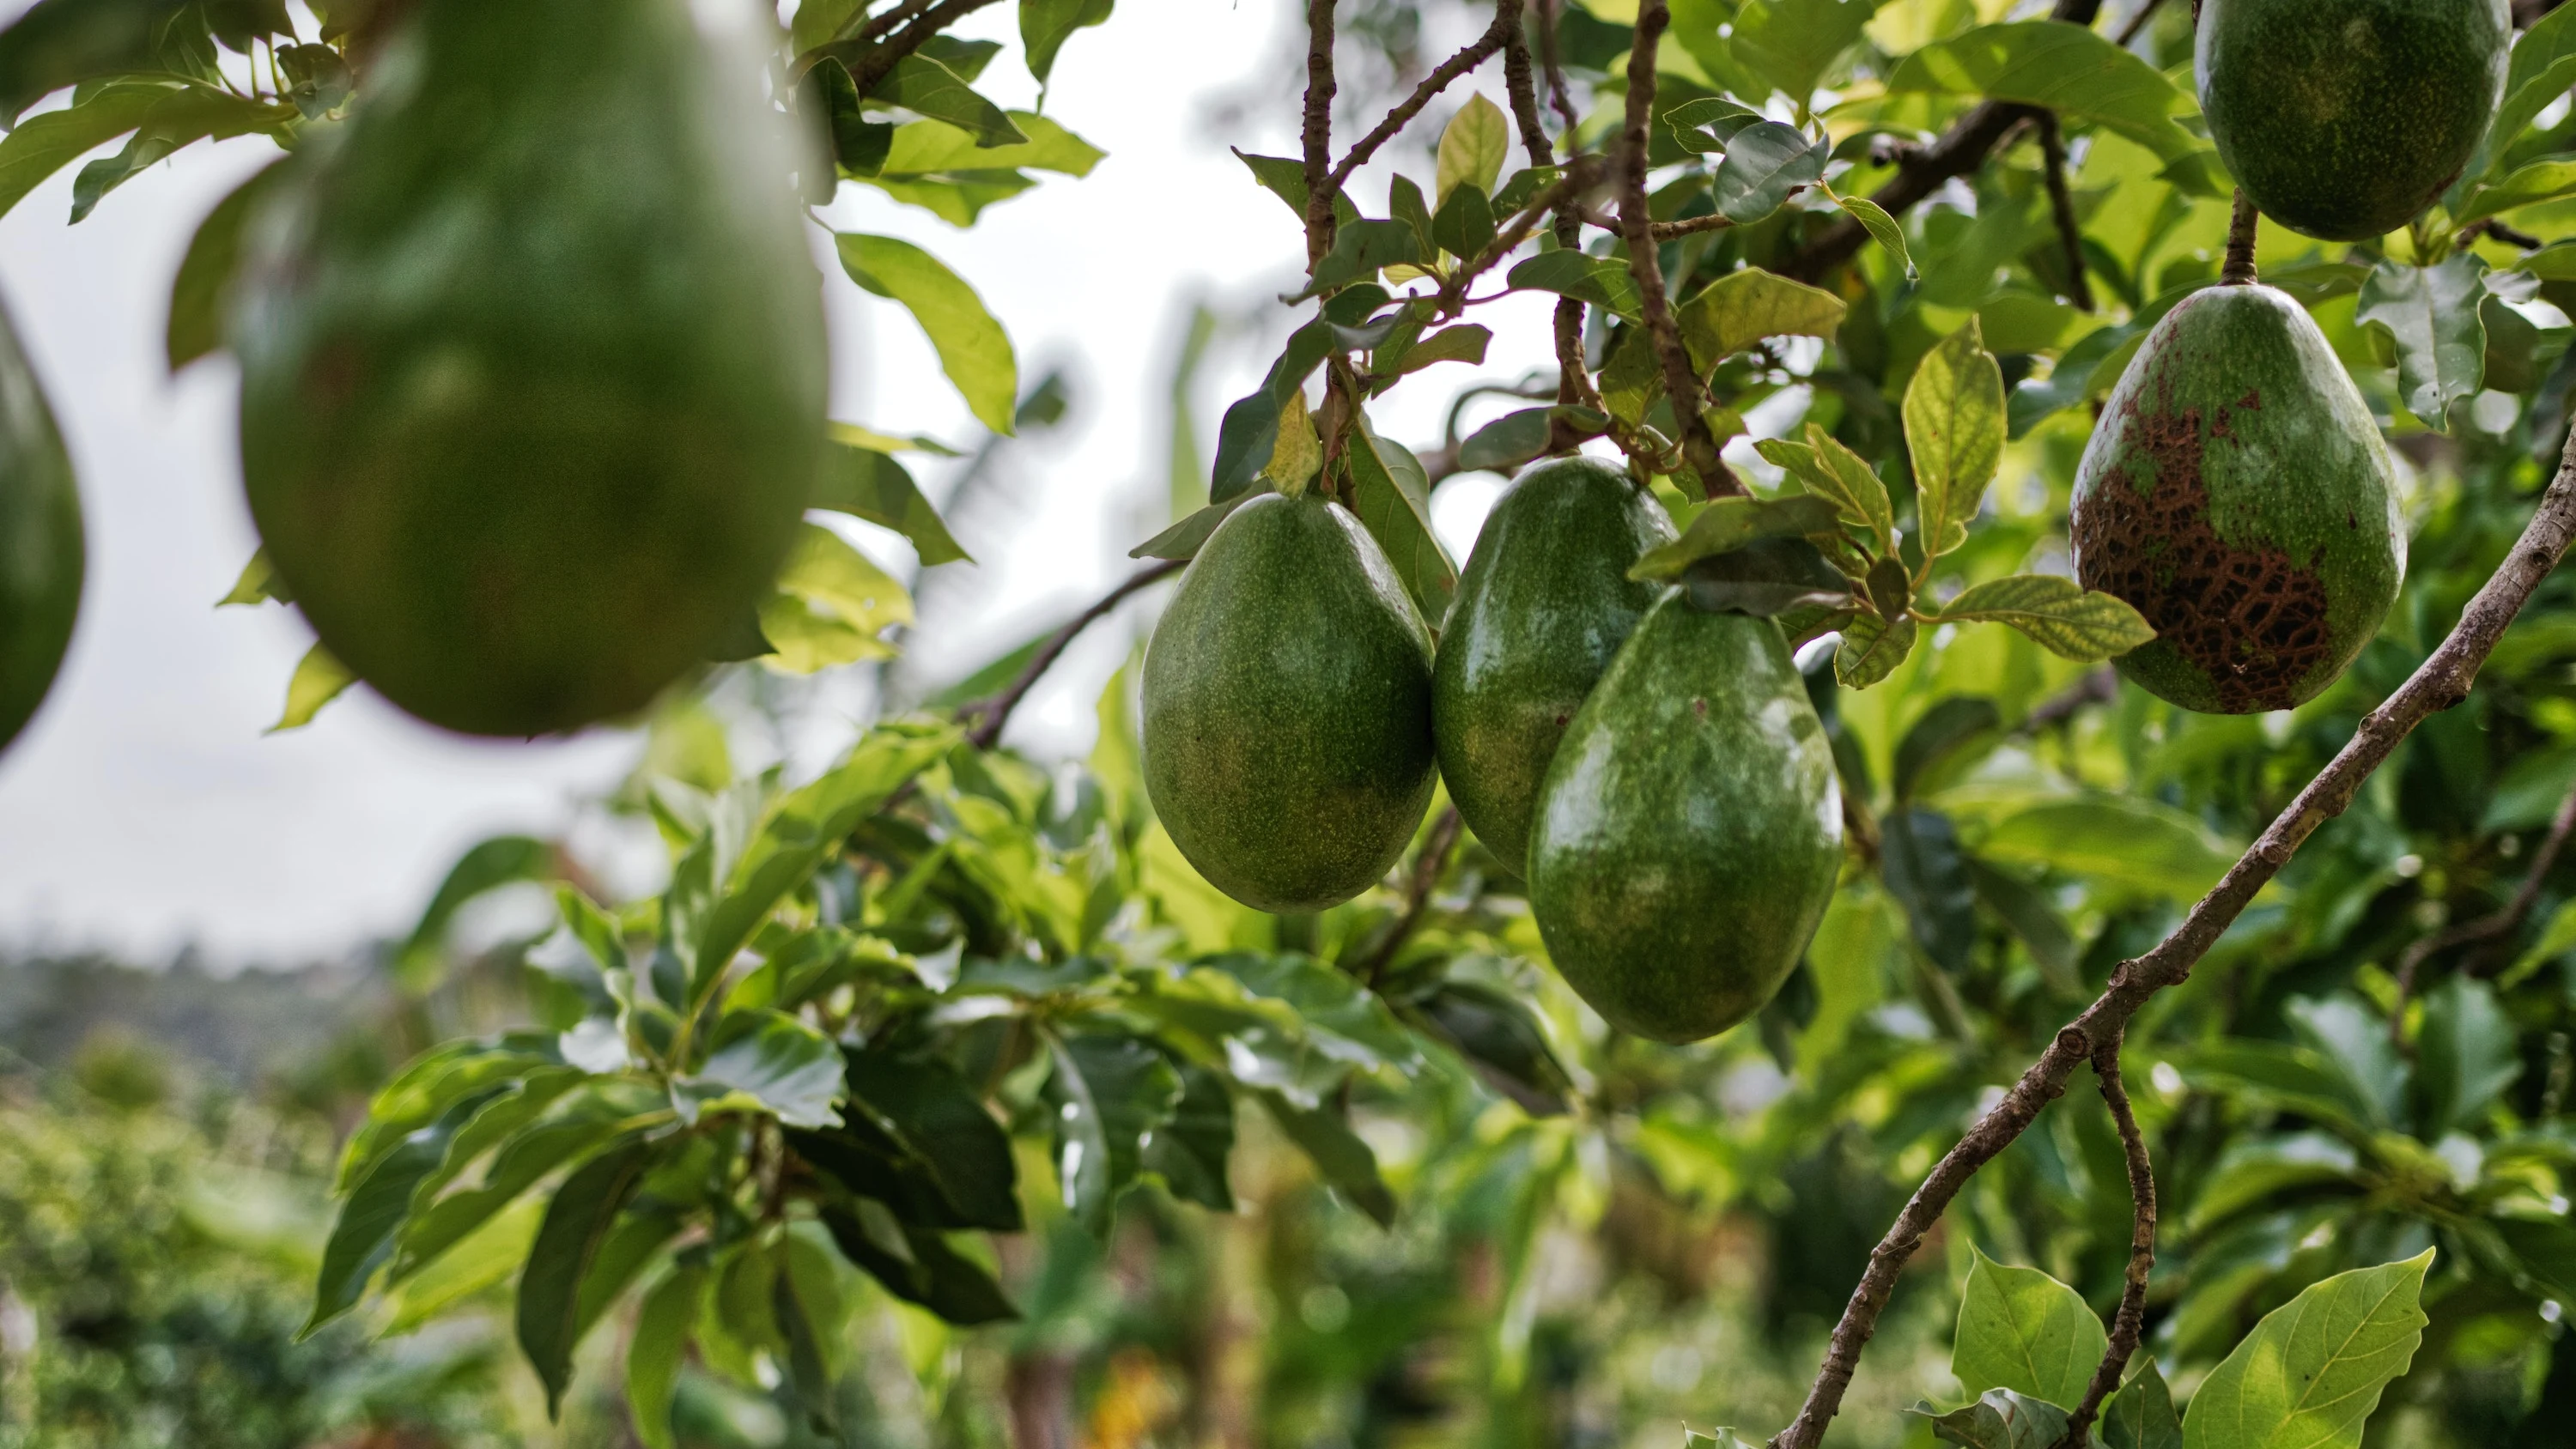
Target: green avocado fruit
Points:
(1689, 832)
(1288, 708)
(40, 541)
(1545, 602)
(2344, 119)
(533, 360)
(2237, 493)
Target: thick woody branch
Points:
(1681, 380)
(2130, 1321)
(1320, 186)
(1477, 52)
(991, 714)
(2443, 681)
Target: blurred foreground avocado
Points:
(2238, 495)
(1288, 708)
(533, 361)
(1545, 602)
(41, 549)
(1689, 833)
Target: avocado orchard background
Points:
(1570, 1211)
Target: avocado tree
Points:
(934, 1026)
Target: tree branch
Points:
(1681, 380)
(875, 62)
(2503, 923)
(1476, 52)
(2137, 22)
(2441, 682)
(991, 714)
(2129, 1322)
(1321, 188)
(2241, 229)
(1427, 868)
(2070, 232)
(1580, 175)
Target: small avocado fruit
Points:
(2344, 119)
(1287, 697)
(41, 543)
(1543, 605)
(2237, 494)
(533, 360)
(1689, 832)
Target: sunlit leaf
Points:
(2022, 1330)
(2312, 1371)
(973, 349)
(2062, 615)
(319, 679)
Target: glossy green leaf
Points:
(1954, 428)
(865, 482)
(915, 1137)
(2431, 316)
(918, 1266)
(2067, 68)
(1361, 249)
(487, 1258)
(1112, 1094)
(1249, 433)
(199, 292)
(372, 1220)
(577, 1225)
(2061, 615)
(1189, 1154)
(566, 1136)
(1705, 125)
(180, 118)
(2312, 1371)
(1728, 524)
(319, 679)
(2022, 1330)
(1045, 25)
(2141, 1415)
(1464, 226)
(2529, 185)
(1764, 165)
(973, 349)
(1397, 514)
(776, 1061)
(1502, 1041)
(1749, 304)
(2542, 68)
(1602, 281)
(1871, 649)
(45, 144)
(1472, 148)
(927, 148)
(660, 1345)
(1791, 43)
(922, 85)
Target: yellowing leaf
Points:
(1298, 455)
(319, 679)
(1744, 306)
(1471, 149)
(830, 606)
(1954, 424)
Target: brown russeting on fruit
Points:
(2249, 617)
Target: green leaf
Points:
(485, 1260)
(1602, 281)
(2142, 1415)
(2061, 615)
(1184, 539)
(372, 1220)
(423, 1090)
(2529, 185)
(1791, 43)
(2313, 1369)
(925, 87)
(919, 1267)
(1346, 1162)
(2062, 66)
(2116, 840)
(831, 605)
(319, 679)
(2022, 1330)
(1707, 124)
(1189, 1154)
(1112, 1094)
(917, 1139)
(2541, 70)
(973, 349)
(1882, 228)
(56, 43)
(182, 117)
(488, 866)
(203, 286)
(1827, 469)
(1871, 650)
(577, 1225)
(1464, 226)
(2431, 315)
(1285, 178)
(931, 148)
(1764, 164)
(2002, 1419)
(258, 584)
(1502, 1041)
(47, 143)
(1720, 1439)
(1392, 507)
(775, 1061)
(1727, 524)
(1741, 308)
(2466, 1057)
(1774, 578)
(1954, 427)
(1249, 433)
(582, 1124)
(864, 482)
(1472, 148)
(1360, 250)
(1517, 437)
(659, 1347)
(1045, 25)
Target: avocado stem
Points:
(2239, 271)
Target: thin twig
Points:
(2510, 236)
(1427, 869)
(1475, 53)
(2503, 923)
(2441, 682)
(861, 26)
(1581, 176)
(1320, 189)
(2095, 686)
(2052, 150)
(1681, 379)
(991, 714)
(1665, 230)
(875, 62)
(2137, 22)
(2241, 229)
(2129, 1322)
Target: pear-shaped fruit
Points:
(2344, 119)
(1545, 602)
(1288, 708)
(2236, 492)
(40, 541)
(533, 361)
(1690, 831)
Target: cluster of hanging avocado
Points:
(1656, 772)
(41, 548)
(2344, 119)
(533, 361)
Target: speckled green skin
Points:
(1689, 832)
(40, 541)
(1288, 708)
(1545, 602)
(2237, 492)
(533, 362)
(2344, 119)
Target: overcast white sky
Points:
(144, 810)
